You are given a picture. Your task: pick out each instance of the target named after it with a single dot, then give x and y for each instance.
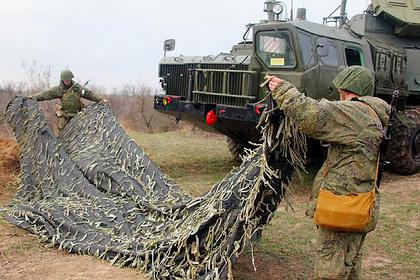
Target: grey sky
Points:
(112, 43)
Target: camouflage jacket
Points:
(70, 99)
(354, 133)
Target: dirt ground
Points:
(23, 257)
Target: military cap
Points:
(355, 79)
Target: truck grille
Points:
(227, 84)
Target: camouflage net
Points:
(93, 191)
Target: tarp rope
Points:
(94, 191)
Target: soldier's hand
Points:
(28, 97)
(105, 102)
(274, 83)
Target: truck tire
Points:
(235, 147)
(404, 146)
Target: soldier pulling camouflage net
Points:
(94, 191)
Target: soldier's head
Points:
(66, 77)
(354, 81)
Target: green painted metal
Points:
(307, 54)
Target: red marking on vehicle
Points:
(211, 118)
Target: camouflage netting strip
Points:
(94, 191)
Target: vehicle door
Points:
(309, 60)
(330, 64)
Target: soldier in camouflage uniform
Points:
(353, 127)
(69, 93)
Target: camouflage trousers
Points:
(62, 122)
(339, 255)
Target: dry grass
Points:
(9, 168)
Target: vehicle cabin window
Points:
(307, 49)
(275, 49)
(354, 57)
(332, 58)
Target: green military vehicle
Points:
(223, 91)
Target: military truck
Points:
(222, 91)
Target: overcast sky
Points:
(115, 42)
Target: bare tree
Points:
(39, 76)
(133, 105)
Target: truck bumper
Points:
(235, 122)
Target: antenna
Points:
(291, 10)
(340, 20)
(343, 14)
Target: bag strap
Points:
(68, 91)
(375, 115)
(377, 172)
(380, 126)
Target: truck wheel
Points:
(404, 146)
(235, 147)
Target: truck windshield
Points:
(275, 49)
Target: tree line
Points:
(131, 104)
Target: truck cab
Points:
(222, 92)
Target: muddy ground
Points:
(23, 257)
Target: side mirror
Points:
(322, 47)
(169, 45)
